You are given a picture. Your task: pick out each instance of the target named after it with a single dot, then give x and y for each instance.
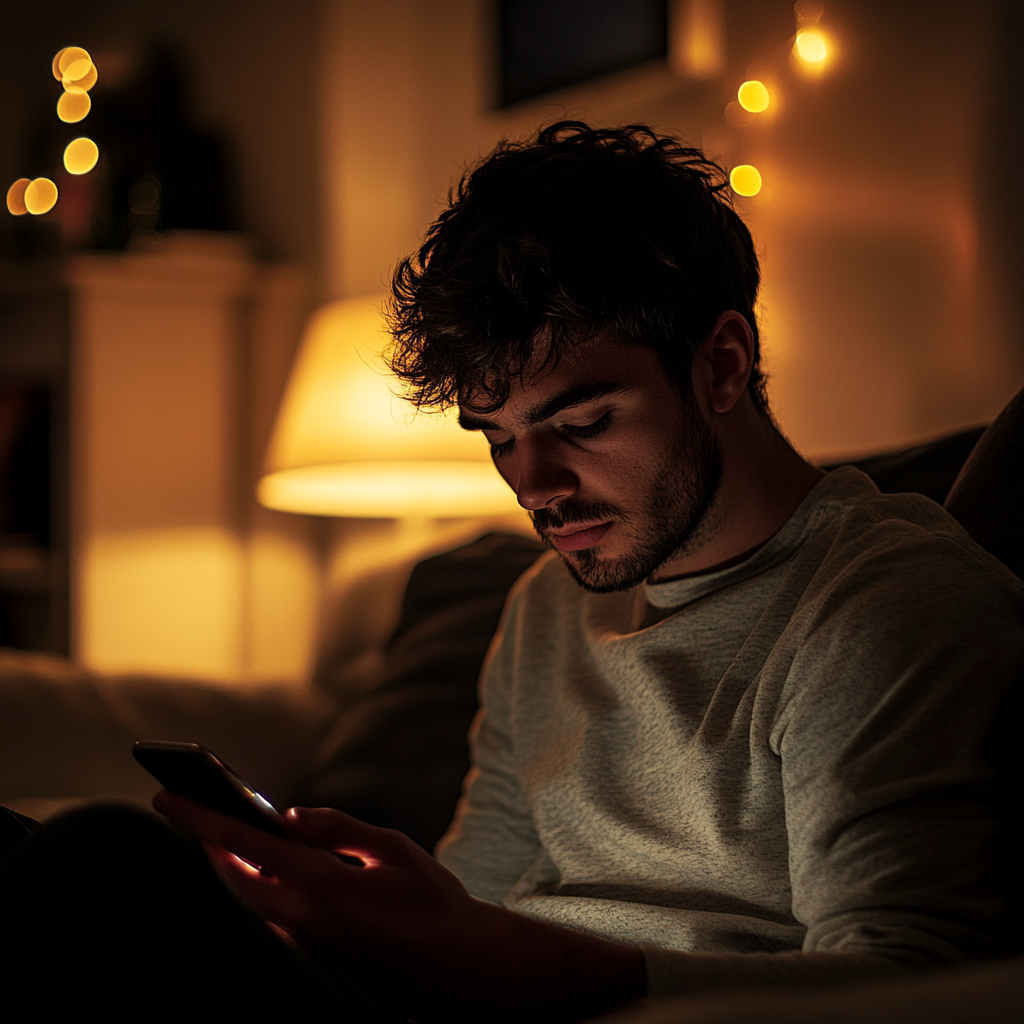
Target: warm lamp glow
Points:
(745, 180)
(810, 46)
(16, 197)
(80, 156)
(73, 105)
(376, 490)
(40, 196)
(345, 444)
(753, 96)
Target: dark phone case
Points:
(196, 772)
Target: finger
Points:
(279, 904)
(341, 833)
(297, 906)
(246, 841)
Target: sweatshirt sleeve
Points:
(900, 668)
(492, 840)
(890, 779)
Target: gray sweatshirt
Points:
(777, 772)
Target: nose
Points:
(542, 477)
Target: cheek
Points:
(629, 468)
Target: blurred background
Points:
(259, 159)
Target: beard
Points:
(673, 515)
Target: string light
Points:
(810, 46)
(40, 196)
(753, 96)
(65, 58)
(745, 180)
(76, 69)
(86, 82)
(81, 155)
(55, 66)
(74, 105)
(16, 197)
(73, 68)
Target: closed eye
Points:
(500, 449)
(588, 429)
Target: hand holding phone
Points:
(191, 770)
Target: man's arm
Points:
(885, 737)
(407, 918)
(492, 839)
(407, 912)
(884, 734)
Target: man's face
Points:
(616, 467)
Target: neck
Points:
(763, 483)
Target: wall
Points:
(176, 570)
(255, 78)
(884, 199)
(886, 226)
(878, 327)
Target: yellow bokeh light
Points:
(68, 56)
(81, 155)
(753, 96)
(73, 105)
(55, 66)
(810, 46)
(40, 196)
(16, 197)
(745, 180)
(77, 69)
(86, 82)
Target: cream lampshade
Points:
(345, 443)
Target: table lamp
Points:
(346, 444)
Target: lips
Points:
(577, 540)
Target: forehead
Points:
(605, 362)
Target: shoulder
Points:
(890, 588)
(538, 595)
(898, 596)
(901, 541)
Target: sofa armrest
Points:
(67, 734)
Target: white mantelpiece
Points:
(177, 357)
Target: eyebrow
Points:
(569, 398)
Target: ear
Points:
(727, 353)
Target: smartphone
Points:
(196, 772)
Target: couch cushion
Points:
(988, 495)
(929, 468)
(398, 753)
(67, 734)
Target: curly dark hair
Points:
(577, 231)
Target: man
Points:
(735, 726)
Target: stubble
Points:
(674, 518)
